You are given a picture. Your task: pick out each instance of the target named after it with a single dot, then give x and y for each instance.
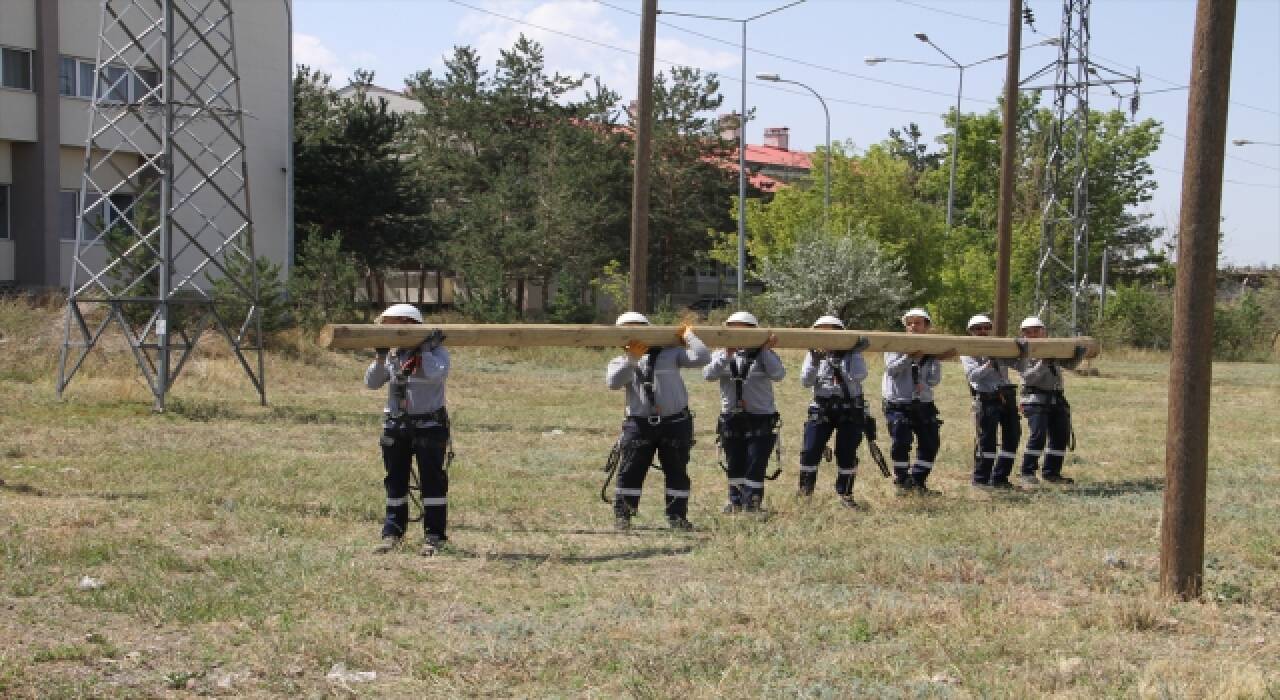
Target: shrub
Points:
(322, 288)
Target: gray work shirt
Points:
(987, 378)
(668, 386)
(757, 385)
(424, 389)
(1043, 374)
(898, 385)
(821, 375)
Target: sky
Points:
(823, 44)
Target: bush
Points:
(846, 276)
(1138, 316)
(567, 306)
(322, 288)
(232, 303)
(487, 299)
(1238, 330)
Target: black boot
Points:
(807, 481)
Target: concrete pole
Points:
(639, 292)
(1191, 368)
(742, 177)
(1008, 159)
(955, 144)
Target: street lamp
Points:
(826, 195)
(742, 135)
(1251, 142)
(955, 132)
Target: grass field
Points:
(233, 542)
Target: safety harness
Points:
(403, 422)
(739, 374)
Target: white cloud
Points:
(556, 22)
(310, 51)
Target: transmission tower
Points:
(164, 199)
(1062, 271)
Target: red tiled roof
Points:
(772, 155)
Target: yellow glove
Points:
(685, 330)
(636, 348)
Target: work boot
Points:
(622, 522)
(1029, 480)
(846, 500)
(679, 522)
(1058, 479)
(731, 508)
(388, 543)
(431, 545)
(917, 487)
(1002, 485)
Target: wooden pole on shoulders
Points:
(360, 336)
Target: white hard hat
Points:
(828, 321)
(742, 317)
(408, 311)
(977, 320)
(1032, 322)
(630, 318)
(917, 312)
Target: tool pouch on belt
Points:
(837, 410)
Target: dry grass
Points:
(234, 544)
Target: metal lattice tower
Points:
(164, 200)
(1062, 272)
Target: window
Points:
(68, 208)
(67, 76)
(4, 212)
(76, 77)
(15, 69)
(85, 87)
(114, 87)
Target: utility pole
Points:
(1187, 432)
(639, 293)
(1008, 157)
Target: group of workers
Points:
(658, 422)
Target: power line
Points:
(620, 49)
(1238, 158)
(1234, 182)
(953, 14)
(797, 61)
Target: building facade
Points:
(48, 50)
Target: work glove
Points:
(1079, 353)
(817, 355)
(381, 352)
(636, 348)
(863, 343)
(1024, 348)
(434, 340)
(683, 334)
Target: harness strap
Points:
(739, 374)
(646, 378)
(838, 373)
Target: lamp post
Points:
(742, 134)
(826, 170)
(955, 131)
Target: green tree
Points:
(351, 177)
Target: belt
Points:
(439, 416)
(681, 415)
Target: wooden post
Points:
(1008, 155)
(639, 292)
(359, 336)
(1191, 367)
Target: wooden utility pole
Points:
(358, 336)
(1191, 368)
(1008, 158)
(643, 118)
